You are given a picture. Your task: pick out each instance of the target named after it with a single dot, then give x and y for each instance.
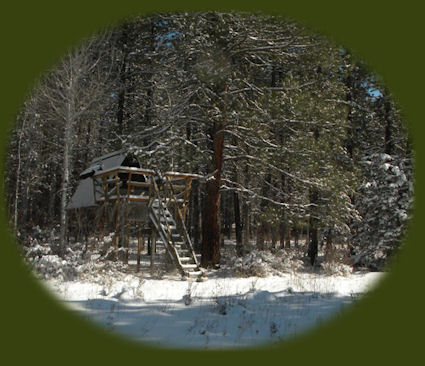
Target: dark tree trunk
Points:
(150, 89)
(329, 245)
(296, 235)
(238, 225)
(196, 215)
(210, 248)
(261, 233)
(313, 245)
(226, 215)
(274, 234)
(263, 228)
(123, 81)
(288, 237)
(282, 230)
(246, 228)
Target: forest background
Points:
(361, 38)
(299, 139)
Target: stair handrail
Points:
(172, 251)
(183, 225)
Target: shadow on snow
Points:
(248, 319)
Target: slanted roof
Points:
(84, 195)
(104, 162)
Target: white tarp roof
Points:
(84, 195)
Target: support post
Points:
(139, 248)
(117, 238)
(153, 250)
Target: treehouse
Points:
(132, 201)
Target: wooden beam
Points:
(182, 175)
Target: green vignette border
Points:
(36, 35)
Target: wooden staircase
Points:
(173, 236)
(124, 193)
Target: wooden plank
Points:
(139, 184)
(178, 187)
(121, 169)
(183, 175)
(132, 198)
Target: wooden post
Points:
(167, 261)
(143, 243)
(188, 184)
(117, 238)
(139, 248)
(127, 233)
(153, 250)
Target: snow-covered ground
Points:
(222, 312)
(261, 297)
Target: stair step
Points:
(172, 227)
(189, 266)
(165, 227)
(169, 219)
(185, 259)
(163, 213)
(194, 273)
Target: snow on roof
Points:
(104, 162)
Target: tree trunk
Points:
(274, 233)
(313, 245)
(226, 215)
(196, 214)
(288, 237)
(18, 178)
(123, 82)
(210, 248)
(238, 226)
(66, 173)
(52, 200)
(296, 235)
(261, 231)
(245, 223)
(282, 230)
(314, 242)
(329, 245)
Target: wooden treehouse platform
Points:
(131, 199)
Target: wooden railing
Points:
(136, 185)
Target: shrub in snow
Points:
(263, 263)
(40, 255)
(336, 261)
(52, 266)
(36, 250)
(335, 268)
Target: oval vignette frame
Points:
(36, 324)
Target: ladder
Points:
(174, 236)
